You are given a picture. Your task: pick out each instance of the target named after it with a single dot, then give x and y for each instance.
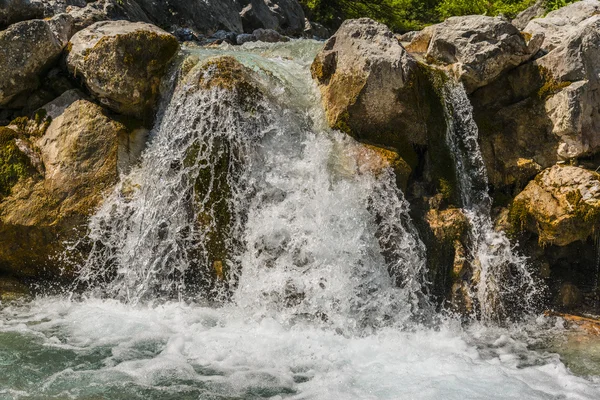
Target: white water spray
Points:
(309, 235)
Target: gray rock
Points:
(27, 49)
(575, 110)
(256, 14)
(285, 16)
(535, 11)
(13, 11)
(269, 36)
(224, 35)
(409, 36)
(245, 38)
(316, 30)
(477, 48)
(369, 84)
(122, 64)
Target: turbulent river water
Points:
(327, 292)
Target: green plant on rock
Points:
(14, 164)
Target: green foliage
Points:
(405, 15)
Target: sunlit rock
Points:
(561, 206)
(122, 64)
(27, 49)
(370, 86)
(79, 148)
(478, 49)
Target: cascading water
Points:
(315, 268)
(502, 278)
(304, 236)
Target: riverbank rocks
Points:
(122, 64)
(370, 86)
(27, 49)
(77, 155)
(561, 205)
(478, 49)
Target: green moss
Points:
(551, 85)
(229, 74)
(517, 217)
(445, 188)
(14, 165)
(212, 192)
(342, 123)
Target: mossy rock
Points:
(561, 205)
(122, 64)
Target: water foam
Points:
(108, 349)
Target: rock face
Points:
(69, 169)
(122, 64)
(285, 16)
(369, 85)
(478, 49)
(561, 206)
(207, 16)
(548, 109)
(27, 49)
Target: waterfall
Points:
(261, 204)
(502, 280)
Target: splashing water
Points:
(320, 291)
(304, 233)
(503, 281)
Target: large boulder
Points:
(558, 24)
(370, 86)
(27, 49)
(548, 109)
(65, 168)
(13, 11)
(575, 110)
(207, 16)
(477, 48)
(561, 205)
(122, 64)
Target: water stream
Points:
(503, 279)
(318, 291)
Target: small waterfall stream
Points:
(503, 281)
